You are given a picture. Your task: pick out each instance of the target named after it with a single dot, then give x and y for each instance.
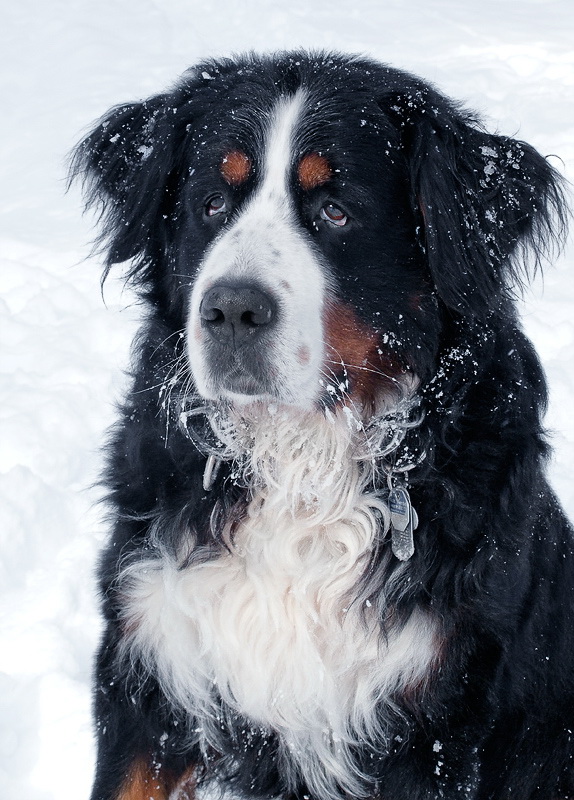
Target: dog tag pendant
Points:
(403, 522)
(210, 473)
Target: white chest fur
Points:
(272, 626)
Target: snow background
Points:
(63, 348)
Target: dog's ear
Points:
(125, 166)
(491, 206)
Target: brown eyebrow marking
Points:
(235, 167)
(314, 170)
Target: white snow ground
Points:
(63, 349)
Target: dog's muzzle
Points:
(239, 320)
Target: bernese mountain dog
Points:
(336, 569)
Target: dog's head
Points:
(311, 221)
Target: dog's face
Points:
(309, 257)
(310, 222)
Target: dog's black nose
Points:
(237, 313)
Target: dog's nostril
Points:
(261, 315)
(212, 314)
(248, 318)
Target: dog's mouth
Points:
(249, 348)
(235, 374)
(365, 391)
(247, 374)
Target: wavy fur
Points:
(237, 628)
(329, 251)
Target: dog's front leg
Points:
(142, 752)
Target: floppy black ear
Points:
(492, 207)
(125, 164)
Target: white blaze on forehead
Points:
(267, 245)
(280, 141)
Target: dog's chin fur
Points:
(363, 433)
(229, 634)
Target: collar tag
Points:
(210, 472)
(404, 521)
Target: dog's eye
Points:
(215, 205)
(334, 215)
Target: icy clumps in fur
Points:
(270, 626)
